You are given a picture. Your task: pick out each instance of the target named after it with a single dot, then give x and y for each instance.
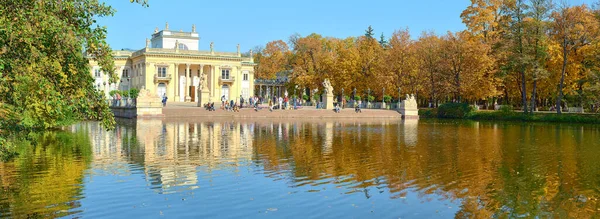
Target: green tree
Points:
(45, 51)
(382, 41)
(369, 32)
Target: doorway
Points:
(161, 91)
(225, 91)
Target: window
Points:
(97, 73)
(182, 47)
(125, 73)
(162, 72)
(225, 73)
(245, 77)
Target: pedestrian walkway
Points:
(191, 110)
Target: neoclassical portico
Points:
(171, 65)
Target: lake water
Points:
(306, 168)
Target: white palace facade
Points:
(172, 65)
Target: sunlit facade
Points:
(171, 64)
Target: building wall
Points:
(142, 70)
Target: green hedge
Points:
(454, 110)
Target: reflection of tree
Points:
(495, 170)
(45, 180)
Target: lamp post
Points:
(343, 98)
(354, 97)
(368, 95)
(295, 97)
(399, 96)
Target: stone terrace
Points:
(175, 110)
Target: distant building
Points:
(171, 64)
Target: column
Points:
(176, 81)
(216, 77)
(186, 89)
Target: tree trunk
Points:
(533, 94)
(524, 91)
(562, 78)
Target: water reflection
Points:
(374, 168)
(47, 179)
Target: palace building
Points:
(171, 64)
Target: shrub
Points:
(305, 97)
(387, 98)
(317, 97)
(506, 109)
(370, 98)
(454, 110)
(134, 93)
(428, 113)
(357, 97)
(347, 98)
(113, 92)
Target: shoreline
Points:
(189, 111)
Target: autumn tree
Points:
(402, 61)
(308, 61)
(514, 43)
(536, 27)
(273, 59)
(573, 28)
(370, 72)
(465, 62)
(429, 55)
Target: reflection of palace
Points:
(171, 64)
(170, 152)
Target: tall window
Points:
(97, 73)
(225, 73)
(125, 73)
(162, 72)
(245, 77)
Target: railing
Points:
(187, 52)
(230, 79)
(162, 79)
(124, 102)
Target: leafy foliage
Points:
(45, 74)
(454, 110)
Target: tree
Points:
(572, 29)
(402, 61)
(273, 59)
(369, 32)
(428, 53)
(518, 61)
(382, 41)
(142, 2)
(465, 60)
(45, 76)
(536, 28)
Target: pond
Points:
(292, 168)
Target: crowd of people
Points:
(274, 103)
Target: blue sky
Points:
(254, 23)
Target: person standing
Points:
(280, 103)
(164, 100)
(241, 101)
(270, 105)
(223, 102)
